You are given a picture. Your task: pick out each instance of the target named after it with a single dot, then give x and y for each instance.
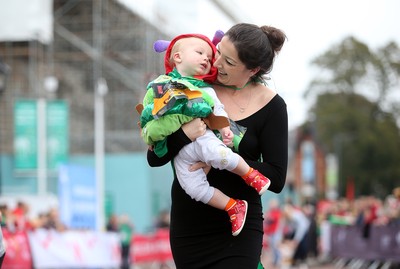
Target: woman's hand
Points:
(194, 129)
(200, 165)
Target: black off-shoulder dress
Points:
(200, 234)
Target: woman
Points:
(199, 234)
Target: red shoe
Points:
(258, 181)
(237, 214)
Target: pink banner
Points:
(18, 254)
(151, 248)
(81, 249)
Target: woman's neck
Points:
(234, 87)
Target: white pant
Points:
(209, 149)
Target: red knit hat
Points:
(160, 46)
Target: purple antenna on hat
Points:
(217, 37)
(161, 45)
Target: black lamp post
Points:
(4, 71)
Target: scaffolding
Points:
(92, 40)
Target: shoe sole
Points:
(244, 221)
(264, 188)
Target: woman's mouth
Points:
(221, 73)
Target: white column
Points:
(42, 147)
(101, 90)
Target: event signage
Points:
(25, 134)
(77, 196)
(27, 120)
(57, 133)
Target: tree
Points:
(354, 117)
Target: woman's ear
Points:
(254, 71)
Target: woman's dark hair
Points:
(256, 46)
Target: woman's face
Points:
(231, 71)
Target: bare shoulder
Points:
(263, 95)
(240, 104)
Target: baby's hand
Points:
(227, 136)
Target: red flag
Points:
(350, 189)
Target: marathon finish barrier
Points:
(381, 243)
(18, 253)
(151, 248)
(81, 249)
(69, 249)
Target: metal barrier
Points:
(353, 248)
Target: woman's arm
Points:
(176, 141)
(274, 148)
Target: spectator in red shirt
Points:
(20, 217)
(2, 248)
(273, 230)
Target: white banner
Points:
(75, 249)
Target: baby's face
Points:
(195, 57)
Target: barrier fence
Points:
(151, 248)
(81, 249)
(381, 243)
(88, 249)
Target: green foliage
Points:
(353, 116)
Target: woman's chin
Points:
(221, 79)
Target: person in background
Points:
(163, 220)
(122, 226)
(200, 238)
(300, 223)
(53, 221)
(309, 210)
(112, 224)
(273, 230)
(125, 229)
(20, 218)
(2, 247)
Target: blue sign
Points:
(308, 168)
(77, 196)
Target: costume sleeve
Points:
(175, 142)
(219, 109)
(149, 97)
(273, 139)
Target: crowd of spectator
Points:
(281, 222)
(282, 244)
(18, 218)
(364, 210)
